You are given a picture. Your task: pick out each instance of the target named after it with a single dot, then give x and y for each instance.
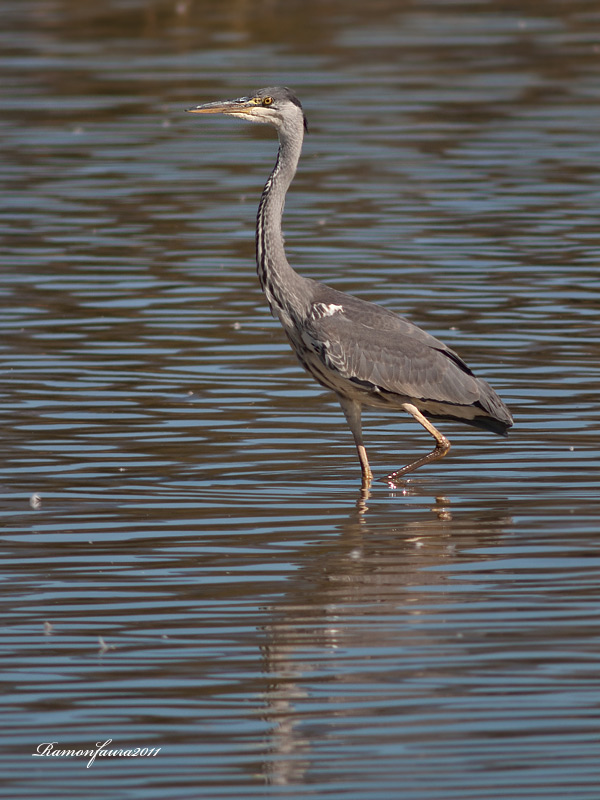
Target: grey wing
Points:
(369, 345)
(397, 361)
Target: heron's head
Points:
(276, 105)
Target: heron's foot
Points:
(440, 451)
(367, 479)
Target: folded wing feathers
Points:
(392, 354)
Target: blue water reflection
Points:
(188, 560)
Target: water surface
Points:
(181, 504)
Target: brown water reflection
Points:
(199, 506)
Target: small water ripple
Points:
(188, 559)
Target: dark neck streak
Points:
(278, 280)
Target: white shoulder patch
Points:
(325, 310)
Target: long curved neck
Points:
(276, 276)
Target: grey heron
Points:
(364, 353)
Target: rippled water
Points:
(188, 561)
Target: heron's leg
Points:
(442, 444)
(352, 412)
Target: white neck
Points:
(277, 278)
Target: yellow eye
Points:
(267, 101)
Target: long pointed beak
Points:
(241, 106)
